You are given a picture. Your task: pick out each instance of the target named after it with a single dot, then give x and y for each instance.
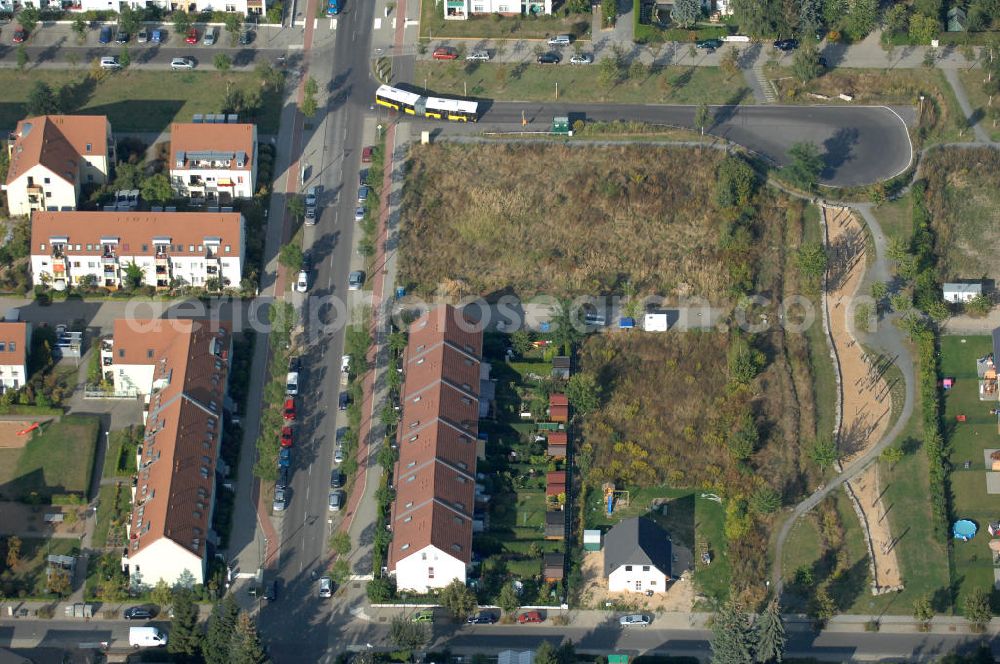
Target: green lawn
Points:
(972, 81)
(27, 579)
(896, 217)
(120, 458)
(971, 561)
(58, 460)
(136, 100)
(111, 515)
(820, 363)
(534, 82)
(434, 26)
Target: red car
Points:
(530, 617)
(366, 154)
(290, 408)
(192, 36)
(286, 436)
(20, 34)
(444, 53)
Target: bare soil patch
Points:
(678, 597)
(9, 429)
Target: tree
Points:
(923, 612)
(80, 28)
(730, 62)
(892, 455)
(862, 18)
(980, 305)
(896, 20)
(182, 23)
(13, 551)
(161, 594)
(744, 440)
(380, 589)
(686, 12)
(811, 260)
(507, 600)
(341, 543)
(340, 571)
(545, 654)
(309, 103)
(744, 361)
(567, 329)
(702, 117)
(823, 452)
(133, 276)
(732, 640)
(42, 100)
(246, 646)
(234, 23)
(129, 19)
(408, 635)
(977, 608)
(736, 183)
(185, 637)
(806, 65)
(879, 290)
(222, 62)
(124, 58)
(771, 638)
(806, 166)
(156, 189)
(59, 582)
(923, 29)
(756, 17)
(28, 18)
(764, 500)
(22, 57)
(583, 392)
(609, 12)
(297, 206)
(219, 638)
(458, 599)
(822, 606)
(291, 257)
(809, 16)
(609, 71)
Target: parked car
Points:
(635, 619)
(110, 62)
(139, 613)
(121, 37)
(338, 455)
(482, 618)
(289, 409)
(285, 457)
(286, 436)
(246, 37)
(444, 53)
(292, 382)
(359, 213)
(582, 59)
(478, 56)
(549, 59)
(280, 500)
(427, 615)
(325, 587)
(158, 36)
(336, 480)
(530, 617)
(344, 401)
(708, 44)
(284, 476)
(192, 36)
(335, 501)
(271, 591)
(302, 282)
(310, 216)
(366, 154)
(341, 435)
(143, 36)
(560, 40)
(103, 38)
(363, 193)
(786, 45)
(363, 177)
(355, 280)
(209, 38)
(295, 363)
(345, 362)
(181, 63)
(20, 34)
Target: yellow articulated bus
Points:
(441, 108)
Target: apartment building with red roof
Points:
(431, 517)
(214, 162)
(15, 345)
(185, 368)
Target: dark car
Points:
(20, 34)
(295, 364)
(786, 44)
(482, 618)
(337, 480)
(105, 36)
(246, 37)
(283, 475)
(822, 62)
(710, 44)
(345, 400)
(271, 591)
(549, 59)
(139, 613)
(363, 178)
(121, 37)
(285, 457)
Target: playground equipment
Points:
(33, 426)
(614, 498)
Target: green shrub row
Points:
(934, 445)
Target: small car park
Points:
(581, 59)
(192, 36)
(110, 62)
(285, 457)
(549, 59)
(139, 613)
(280, 500)
(105, 36)
(286, 436)
(640, 619)
(336, 479)
(289, 412)
(425, 616)
(530, 617)
(302, 282)
(143, 36)
(444, 53)
(478, 56)
(336, 501)
(181, 63)
(344, 401)
(209, 38)
(482, 618)
(121, 37)
(325, 587)
(355, 280)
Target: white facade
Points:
(167, 560)
(428, 568)
(12, 376)
(213, 161)
(209, 180)
(40, 189)
(655, 322)
(460, 10)
(961, 292)
(638, 579)
(248, 7)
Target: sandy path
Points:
(865, 396)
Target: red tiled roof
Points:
(558, 438)
(188, 137)
(57, 142)
(559, 413)
(14, 344)
(558, 400)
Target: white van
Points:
(145, 637)
(560, 40)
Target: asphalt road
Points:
(859, 144)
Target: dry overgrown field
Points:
(963, 198)
(528, 218)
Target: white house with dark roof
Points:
(637, 556)
(961, 292)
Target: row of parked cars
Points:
(482, 55)
(208, 37)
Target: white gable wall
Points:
(637, 578)
(428, 568)
(166, 559)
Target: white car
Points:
(345, 362)
(582, 59)
(359, 214)
(478, 56)
(635, 619)
(110, 62)
(302, 283)
(181, 63)
(338, 456)
(325, 587)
